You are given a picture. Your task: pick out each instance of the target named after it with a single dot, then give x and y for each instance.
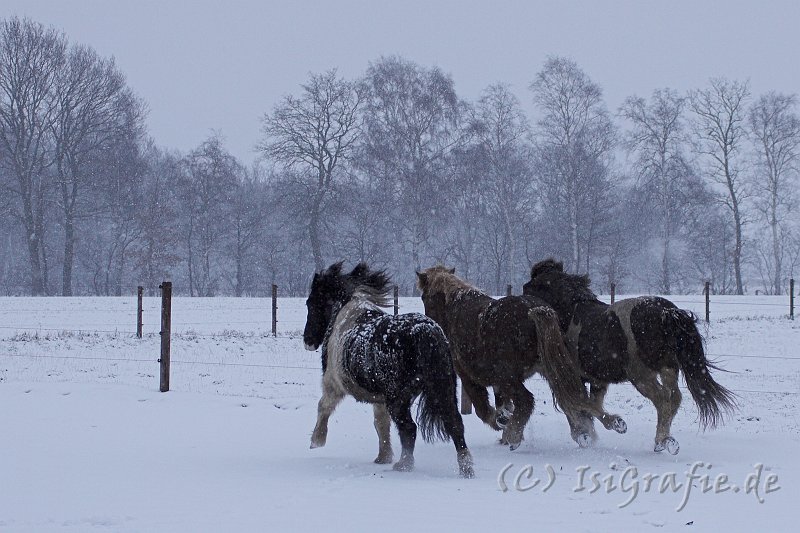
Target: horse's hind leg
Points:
(331, 396)
(400, 411)
(523, 407)
(382, 426)
(597, 395)
(666, 398)
(454, 426)
(669, 379)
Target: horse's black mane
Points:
(376, 282)
(576, 285)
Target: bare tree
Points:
(775, 128)
(249, 205)
(574, 139)
(711, 247)
(657, 139)
(31, 56)
(156, 251)
(467, 237)
(720, 114)
(94, 109)
(208, 186)
(413, 126)
(365, 225)
(124, 167)
(502, 135)
(311, 136)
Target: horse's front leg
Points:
(518, 415)
(331, 396)
(581, 427)
(479, 398)
(597, 394)
(382, 426)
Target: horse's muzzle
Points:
(309, 347)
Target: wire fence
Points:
(318, 369)
(198, 362)
(223, 319)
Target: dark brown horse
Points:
(501, 343)
(646, 341)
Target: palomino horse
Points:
(501, 343)
(383, 360)
(646, 341)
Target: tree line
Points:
(394, 168)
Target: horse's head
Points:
(327, 289)
(331, 289)
(434, 283)
(556, 287)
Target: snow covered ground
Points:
(88, 444)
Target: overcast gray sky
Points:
(204, 66)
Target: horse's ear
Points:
(452, 270)
(359, 271)
(422, 279)
(336, 268)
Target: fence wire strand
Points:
(291, 327)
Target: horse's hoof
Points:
(669, 444)
(316, 444)
(403, 466)
(465, 464)
(672, 446)
(383, 459)
(619, 425)
(584, 440)
(503, 416)
(514, 445)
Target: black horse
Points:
(384, 360)
(645, 340)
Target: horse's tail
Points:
(562, 370)
(437, 401)
(711, 397)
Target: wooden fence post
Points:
(707, 290)
(166, 326)
(791, 299)
(396, 300)
(139, 293)
(613, 292)
(466, 404)
(274, 310)
(508, 290)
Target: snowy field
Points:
(87, 443)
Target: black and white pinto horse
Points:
(645, 340)
(384, 360)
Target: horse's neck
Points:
(347, 315)
(583, 307)
(463, 308)
(324, 349)
(469, 296)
